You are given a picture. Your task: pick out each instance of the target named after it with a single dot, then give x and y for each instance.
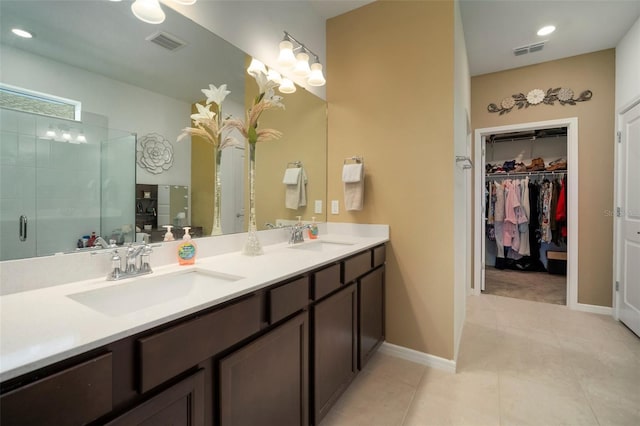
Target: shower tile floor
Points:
(520, 363)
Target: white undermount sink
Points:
(147, 291)
(321, 245)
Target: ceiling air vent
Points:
(166, 40)
(523, 50)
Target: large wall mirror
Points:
(126, 76)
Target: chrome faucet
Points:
(137, 262)
(101, 243)
(297, 233)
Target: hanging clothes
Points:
(522, 215)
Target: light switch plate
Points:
(335, 207)
(318, 206)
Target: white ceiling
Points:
(493, 28)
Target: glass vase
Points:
(216, 229)
(252, 246)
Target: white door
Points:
(628, 253)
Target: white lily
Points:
(264, 84)
(275, 100)
(204, 114)
(216, 94)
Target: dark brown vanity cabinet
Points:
(266, 381)
(334, 349)
(73, 396)
(281, 355)
(370, 314)
(180, 405)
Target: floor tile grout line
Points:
(413, 396)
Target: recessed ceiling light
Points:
(21, 33)
(546, 30)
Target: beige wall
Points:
(390, 68)
(596, 72)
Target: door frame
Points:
(572, 198)
(617, 196)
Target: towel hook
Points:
(356, 158)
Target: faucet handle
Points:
(116, 264)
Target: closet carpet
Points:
(534, 286)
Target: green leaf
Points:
(252, 135)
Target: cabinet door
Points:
(180, 405)
(266, 381)
(334, 349)
(74, 396)
(371, 314)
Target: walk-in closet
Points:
(525, 214)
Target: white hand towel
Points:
(352, 173)
(295, 195)
(291, 176)
(353, 178)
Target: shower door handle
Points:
(23, 228)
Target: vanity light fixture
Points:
(22, 33)
(149, 11)
(315, 77)
(546, 30)
(299, 61)
(301, 68)
(287, 86)
(66, 135)
(286, 58)
(255, 67)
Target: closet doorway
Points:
(528, 254)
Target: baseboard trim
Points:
(594, 309)
(418, 357)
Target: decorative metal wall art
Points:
(563, 95)
(154, 153)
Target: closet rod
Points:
(531, 138)
(524, 174)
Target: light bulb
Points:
(302, 65)
(66, 135)
(81, 138)
(546, 30)
(286, 59)
(255, 67)
(273, 75)
(287, 86)
(315, 77)
(51, 133)
(148, 11)
(21, 33)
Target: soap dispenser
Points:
(187, 249)
(313, 229)
(169, 235)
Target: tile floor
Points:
(520, 363)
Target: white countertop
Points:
(44, 326)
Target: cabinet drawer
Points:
(74, 396)
(168, 353)
(379, 256)
(325, 281)
(288, 299)
(356, 266)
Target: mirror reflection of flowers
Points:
(211, 127)
(208, 124)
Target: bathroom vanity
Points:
(276, 350)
